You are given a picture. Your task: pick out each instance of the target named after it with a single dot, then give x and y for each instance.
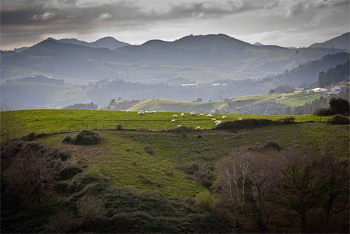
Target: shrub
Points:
(287, 120)
(68, 140)
(339, 119)
(323, 112)
(63, 221)
(272, 146)
(29, 137)
(84, 137)
(90, 207)
(68, 172)
(204, 200)
(244, 124)
(87, 137)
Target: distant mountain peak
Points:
(50, 39)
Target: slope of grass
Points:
(153, 160)
(166, 105)
(289, 99)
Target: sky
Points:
(288, 23)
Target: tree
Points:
(339, 106)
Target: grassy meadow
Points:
(55, 121)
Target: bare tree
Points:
(234, 173)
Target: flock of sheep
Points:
(217, 122)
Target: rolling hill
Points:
(240, 105)
(340, 42)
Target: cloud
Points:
(45, 16)
(104, 16)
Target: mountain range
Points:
(184, 69)
(202, 58)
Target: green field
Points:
(54, 121)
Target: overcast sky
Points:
(280, 22)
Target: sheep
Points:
(201, 114)
(173, 120)
(128, 111)
(240, 118)
(154, 111)
(192, 113)
(141, 112)
(179, 126)
(198, 128)
(210, 115)
(182, 114)
(213, 119)
(218, 122)
(224, 117)
(174, 116)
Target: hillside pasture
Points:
(55, 121)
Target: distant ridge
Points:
(105, 42)
(340, 42)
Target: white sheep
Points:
(210, 115)
(173, 120)
(174, 116)
(141, 112)
(182, 114)
(192, 113)
(128, 111)
(224, 117)
(201, 114)
(154, 111)
(198, 128)
(240, 118)
(217, 122)
(179, 126)
(213, 119)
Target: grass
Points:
(124, 159)
(289, 99)
(55, 121)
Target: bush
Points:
(323, 112)
(204, 200)
(339, 119)
(244, 124)
(68, 140)
(287, 120)
(68, 172)
(272, 146)
(120, 127)
(84, 137)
